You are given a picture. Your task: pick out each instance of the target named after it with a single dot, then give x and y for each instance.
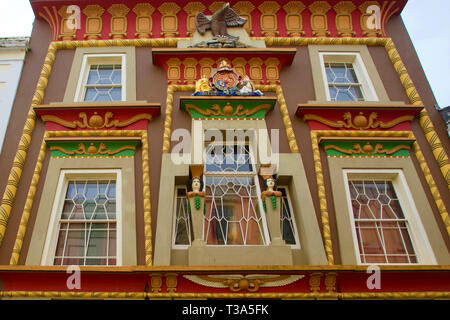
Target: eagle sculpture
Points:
(223, 18)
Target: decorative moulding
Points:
(319, 18)
(131, 116)
(67, 33)
(343, 19)
(94, 22)
(192, 8)
(169, 19)
(268, 19)
(92, 148)
(118, 21)
(204, 107)
(293, 19)
(144, 21)
(245, 9)
(358, 117)
(367, 148)
(263, 66)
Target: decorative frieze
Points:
(245, 283)
(143, 13)
(169, 19)
(344, 23)
(368, 20)
(368, 148)
(227, 107)
(173, 70)
(91, 149)
(118, 21)
(192, 8)
(359, 122)
(255, 70)
(319, 21)
(94, 22)
(190, 70)
(268, 20)
(68, 24)
(206, 65)
(293, 19)
(272, 73)
(95, 121)
(245, 9)
(239, 65)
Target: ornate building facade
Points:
(256, 149)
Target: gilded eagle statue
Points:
(223, 18)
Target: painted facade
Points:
(104, 163)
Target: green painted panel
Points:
(372, 148)
(226, 109)
(93, 148)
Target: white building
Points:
(12, 56)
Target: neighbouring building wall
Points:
(12, 56)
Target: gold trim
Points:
(238, 269)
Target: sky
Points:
(426, 22)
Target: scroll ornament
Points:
(360, 122)
(368, 149)
(250, 283)
(96, 121)
(92, 150)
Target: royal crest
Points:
(225, 81)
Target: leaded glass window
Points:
(104, 83)
(233, 203)
(343, 84)
(287, 222)
(182, 235)
(382, 230)
(87, 231)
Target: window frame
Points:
(365, 83)
(174, 224)
(419, 239)
(250, 174)
(100, 59)
(65, 176)
(297, 244)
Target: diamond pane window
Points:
(382, 230)
(233, 204)
(104, 83)
(87, 226)
(233, 215)
(343, 83)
